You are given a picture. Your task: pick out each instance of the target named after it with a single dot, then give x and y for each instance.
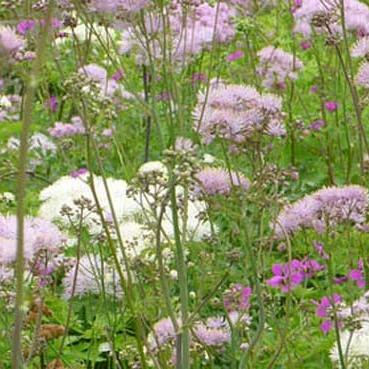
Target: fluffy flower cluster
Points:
(154, 189)
(99, 75)
(38, 142)
(74, 128)
(86, 275)
(214, 332)
(10, 42)
(237, 298)
(236, 112)
(218, 181)
(193, 29)
(328, 206)
(9, 107)
(163, 333)
(290, 275)
(362, 77)
(276, 66)
(356, 16)
(206, 24)
(40, 235)
(360, 48)
(116, 6)
(72, 192)
(354, 337)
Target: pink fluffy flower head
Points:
(218, 181)
(214, 332)
(276, 66)
(236, 113)
(332, 206)
(10, 42)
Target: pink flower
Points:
(237, 298)
(52, 103)
(317, 125)
(357, 275)
(10, 42)
(25, 26)
(117, 75)
(305, 45)
(78, 172)
(286, 276)
(325, 308)
(235, 56)
(331, 106)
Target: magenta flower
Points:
(78, 172)
(324, 310)
(52, 103)
(198, 77)
(25, 26)
(235, 56)
(237, 298)
(117, 75)
(317, 125)
(290, 275)
(314, 89)
(286, 276)
(310, 267)
(320, 249)
(357, 275)
(331, 106)
(305, 45)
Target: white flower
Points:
(42, 143)
(5, 102)
(136, 238)
(209, 159)
(66, 190)
(355, 344)
(7, 197)
(153, 166)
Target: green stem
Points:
(30, 92)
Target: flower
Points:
(113, 6)
(362, 77)
(325, 308)
(286, 276)
(68, 192)
(331, 106)
(40, 235)
(317, 125)
(214, 332)
(218, 181)
(25, 26)
(357, 275)
(361, 48)
(332, 205)
(305, 45)
(237, 298)
(74, 128)
(52, 103)
(163, 333)
(276, 66)
(355, 344)
(86, 275)
(356, 17)
(10, 42)
(236, 113)
(235, 56)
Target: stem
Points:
(30, 92)
(183, 288)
